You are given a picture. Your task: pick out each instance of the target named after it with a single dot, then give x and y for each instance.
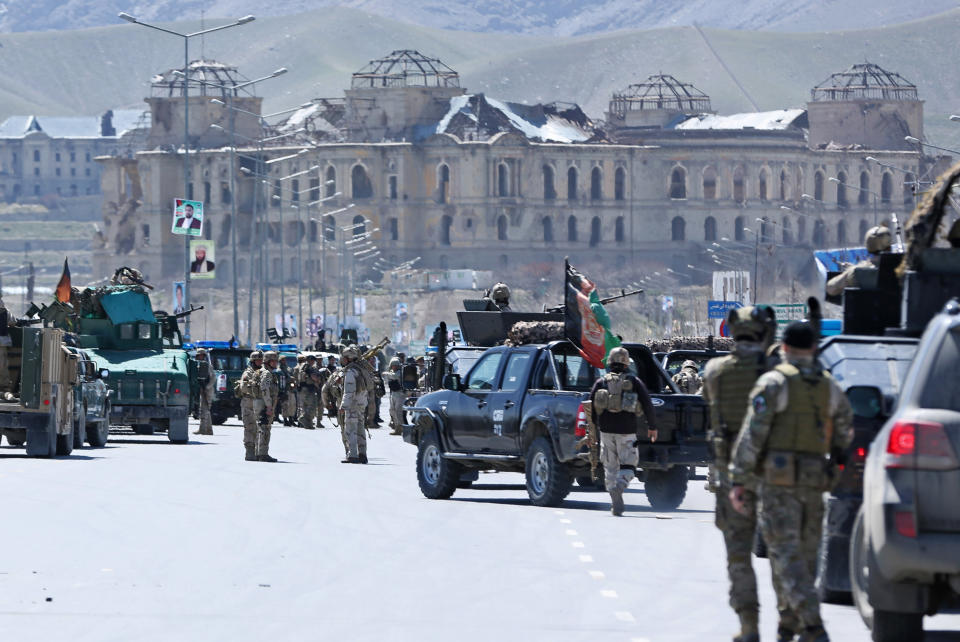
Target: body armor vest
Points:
(363, 378)
(805, 425)
(735, 379)
(619, 395)
(249, 383)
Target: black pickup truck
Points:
(521, 409)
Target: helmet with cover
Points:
(689, 363)
(500, 292)
(256, 355)
(350, 352)
(752, 323)
(877, 239)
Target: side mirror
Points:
(104, 373)
(451, 382)
(867, 401)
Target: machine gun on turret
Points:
(610, 299)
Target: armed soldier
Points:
(379, 390)
(727, 382)
(206, 384)
(288, 394)
(394, 380)
(6, 383)
(354, 405)
(688, 379)
(876, 240)
(797, 429)
(299, 376)
(251, 405)
(618, 399)
(310, 397)
(499, 296)
(270, 394)
(330, 395)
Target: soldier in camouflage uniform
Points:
(298, 376)
(797, 428)
(394, 380)
(354, 405)
(206, 384)
(269, 393)
(309, 397)
(688, 379)
(251, 405)
(288, 395)
(727, 382)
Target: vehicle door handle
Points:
(509, 404)
(481, 404)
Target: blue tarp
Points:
(831, 260)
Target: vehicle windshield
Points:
(943, 386)
(227, 361)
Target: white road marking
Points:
(586, 558)
(565, 521)
(570, 531)
(610, 593)
(559, 512)
(576, 544)
(597, 575)
(625, 616)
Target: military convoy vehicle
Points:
(91, 402)
(228, 363)
(38, 408)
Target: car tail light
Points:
(581, 427)
(921, 445)
(221, 382)
(905, 522)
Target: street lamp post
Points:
(834, 179)
(186, 129)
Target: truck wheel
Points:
(889, 626)
(548, 480)
(80, 428)
(14, 441)
(666, 488)
(178, 432)
(437, 476)
(143, 429)
(65, 444)
(99, 432)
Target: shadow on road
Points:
(66, 457)
(164, 440)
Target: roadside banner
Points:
(204, 257)
(187, 217)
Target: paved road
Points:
(145, 541)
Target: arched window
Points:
(572, 229)
(619, 184)
(619, 233)
(818, 185)
(819, 233)
(445, 224)
(678, 183)
(842, 234)
(738, 234)
(547, 229)
(572, 184)
(842, 201)
(801, 229)
(739, 185)
(596, 184)
(678, 229)
(864, 196)
(762, 189)
(502, 228)
(362, 187)
(330, 184)
(765, 230)
(329, 228)
(710, 229)
(549, 188)
(784, 187)
(886, 188)
(787, 234)
(359, 225)
(864, 226)
(595, 231)
(908, 187)
(709, 184)
(503, 180)
(443, 184)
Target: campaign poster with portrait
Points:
(203, 263)
(187, 217)
(178, 304)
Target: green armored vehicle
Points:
(150, 372)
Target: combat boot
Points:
(251, 453)
(749, 627)
(350, 460)
(363, 458)
(266, 457)
(785, 634)
(616, 501)
(813, 634)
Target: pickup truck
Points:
(521, 409)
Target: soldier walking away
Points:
(394, 381)
(688, 379)
(618, 399)
(727, 382)
(797, 429)
(205, 382)
(876, 240)
(251, 405)
(357, 386)
(270, 393)
(310, 397)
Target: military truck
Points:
(38, 408)
(149, 369)
(91, 403)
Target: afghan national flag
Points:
(586, 323)
(63, 287)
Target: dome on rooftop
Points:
(865, 81)
(207, 78)
(660, 91)
(405, 68)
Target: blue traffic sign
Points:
(719, 309)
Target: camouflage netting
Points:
(689, 343)
(921, 229)
(524, 332)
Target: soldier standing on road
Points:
(797, 428)
(205, 381)
(394, 380)
(269, 393)
(354, 405)
(6, 383)
(309, 397)
(299, 377)
(727, 382)
(251, 405)
(618, 399)
(688, 379)
(288, 394)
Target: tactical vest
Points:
(619, 395)
(805, 425)
(362, 377)
(735, 377)
(250, 384)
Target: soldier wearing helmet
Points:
(876, 240)
(357, 385)
(727, 382)
(205, 383)
(688, 379)
(500, 295)
(394, 382)
(270, 394)
(248, 389)
(618, 399)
